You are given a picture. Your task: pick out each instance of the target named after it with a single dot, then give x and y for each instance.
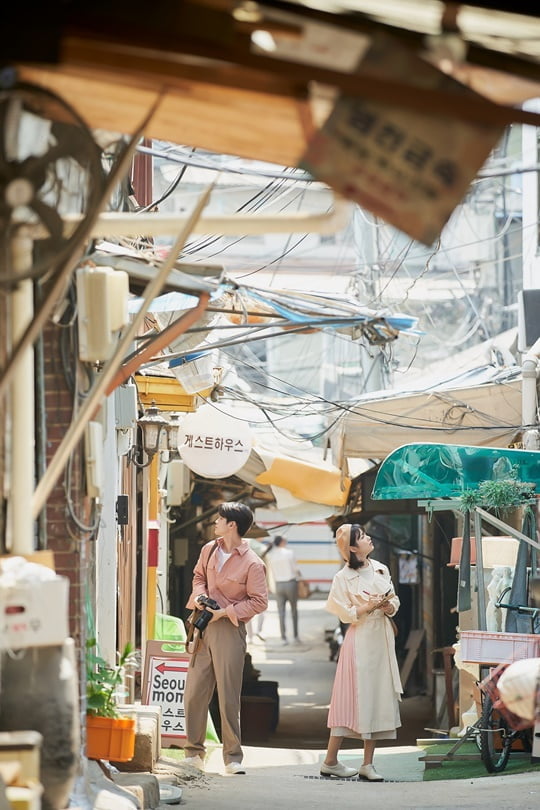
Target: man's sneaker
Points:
(368, 772)
(234, 767)
(339, 770)
(195, 762)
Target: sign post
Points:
(164, 684)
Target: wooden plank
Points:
(412, 646)
(257, 125)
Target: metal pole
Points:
(22, 407)
(480, 584)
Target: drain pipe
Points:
(22, 406)
(529, 397)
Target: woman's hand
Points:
(367, 606)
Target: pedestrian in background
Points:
(367, 687)
(255, 625)
(232, 575)
(285, 574)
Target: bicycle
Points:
(498, 728)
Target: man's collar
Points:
(241, 548)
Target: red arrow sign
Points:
(163, 667)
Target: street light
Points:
(173, 426)
(152, 425)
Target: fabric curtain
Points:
(464, 581)
(516, 623)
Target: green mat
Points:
(472, 769)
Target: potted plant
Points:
(109, 733)
(499, 495)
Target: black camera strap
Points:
(193, 636)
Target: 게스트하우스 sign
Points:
(214, 444)
(409, 167)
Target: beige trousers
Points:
(219, 662)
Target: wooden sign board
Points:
(164, 684)
(410, 167)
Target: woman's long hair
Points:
(356, 533)
(276, 542)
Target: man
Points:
(230, 573)
(285, 574)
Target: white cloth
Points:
(223, 556)
(282, 563)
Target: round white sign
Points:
(214, 444)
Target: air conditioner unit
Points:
(178, 482)
(102, 297)
(528, 318)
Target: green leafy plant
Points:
(499, 494)
(105, 684)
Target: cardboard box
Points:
(34, 615)
(24, 798)
(495, 551)
(44, 557)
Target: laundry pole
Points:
(22, 407)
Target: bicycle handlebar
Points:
(533, 612)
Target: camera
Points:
(203, 619)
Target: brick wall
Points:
(73, 550)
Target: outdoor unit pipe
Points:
(118, 223)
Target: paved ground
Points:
(288, 785)
(283, 770)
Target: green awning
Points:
(427, 471)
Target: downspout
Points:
(22, 407)
(529, 397)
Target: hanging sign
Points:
(164, 684)
(409, 167)
(214, 444)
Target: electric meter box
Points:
(178, 482)
(125, 406)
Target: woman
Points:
(367, 687)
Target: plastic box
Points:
(194, 372)
(480, 647)
(34, 615)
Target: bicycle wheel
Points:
(495, 738)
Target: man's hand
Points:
(217, 614)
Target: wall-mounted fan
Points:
(50, 166)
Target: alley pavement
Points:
(284, 770)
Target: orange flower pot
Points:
(111, 738)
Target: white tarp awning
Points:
(485, 414)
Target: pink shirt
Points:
(240, 586)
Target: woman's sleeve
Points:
(339, 602)
(394, 601)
